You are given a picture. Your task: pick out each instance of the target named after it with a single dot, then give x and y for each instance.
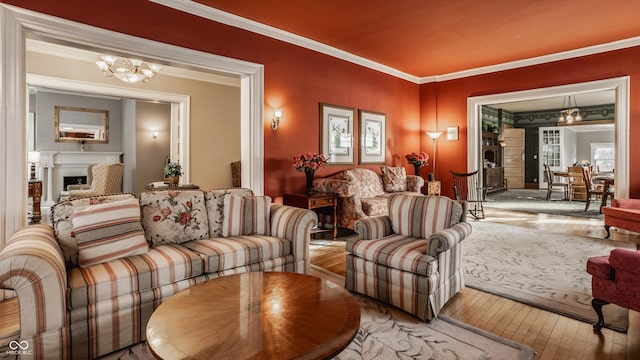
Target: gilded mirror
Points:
(78, 124)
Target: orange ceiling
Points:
(437, 37)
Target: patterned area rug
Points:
(544, 270)
(387, 333)
(533, 200)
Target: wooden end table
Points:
(313, 201)
(268, 315)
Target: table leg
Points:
(605, 194)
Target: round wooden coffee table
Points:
(276, 315)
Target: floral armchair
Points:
(363, 192)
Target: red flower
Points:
(309, 161)
(157, 218)
(184, 218)
(189, 204)
(166, 212)
(420, 159)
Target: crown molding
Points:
(226, 18)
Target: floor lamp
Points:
(434, 135)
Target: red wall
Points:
(452, 102)
(296, 80)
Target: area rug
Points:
(388, 333)
(534, 201)
(544, 270)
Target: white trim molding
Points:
(619, 84)
(19, 24)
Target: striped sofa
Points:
(412, 257)
(70, 309)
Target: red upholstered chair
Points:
(623, 214)
(615, 280)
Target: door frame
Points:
(621, 133)
(19, 24)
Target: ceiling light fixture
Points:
(570, 113)
(127, 70)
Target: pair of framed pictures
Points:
(337, 135)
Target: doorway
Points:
(619, 85)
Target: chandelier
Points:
(127, 70)
(570, 113)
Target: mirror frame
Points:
(105, 125)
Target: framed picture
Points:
(336, 134)
(373, 135)
(452, 133)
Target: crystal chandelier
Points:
(127, 70)
(570, 113)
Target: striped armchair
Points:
(412, 258)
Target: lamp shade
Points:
(33, 156)
(434, 134)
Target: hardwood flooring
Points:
(552, 336)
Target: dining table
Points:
(607, 180)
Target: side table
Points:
(315, 201)
(433, 188)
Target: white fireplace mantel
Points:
(56, 165)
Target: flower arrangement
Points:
(309, 162)
(173, 169)
(417, 159)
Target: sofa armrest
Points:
(626, 203)
(343, 188)
(294, 224)
(444, 240)
(374, 227)
(31, 264)
(414, 183)
(625, 260)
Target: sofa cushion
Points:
(367, 182)
(110, 231)
(161, 265)
(225, 253)
(419, 216)
(61, 220)
(174, 217)
(246, 215)
(374, 206)
(214, 201)
(396, 251)
(394, 179)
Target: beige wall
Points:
(151, 153)
(215, 113)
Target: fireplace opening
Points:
(73, 180)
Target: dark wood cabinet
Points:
(494, 179)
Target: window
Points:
(602, 157)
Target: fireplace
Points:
(73, 180)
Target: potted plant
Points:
(418, 160)
(309, 163)
(173, 172)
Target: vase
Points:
(416, 168)
(309, 176)
(174, 180)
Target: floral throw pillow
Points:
(174, 217)
(394, 179)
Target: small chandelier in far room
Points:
(570, 113)
(127, 70)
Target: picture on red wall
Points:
(336, 134)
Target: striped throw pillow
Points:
(246, 215)
(108, 231)
(418, 215)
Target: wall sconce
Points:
(154, 134)
(275, 123)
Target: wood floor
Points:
(552, 336)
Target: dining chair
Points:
(551, 184)
(577, 188)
